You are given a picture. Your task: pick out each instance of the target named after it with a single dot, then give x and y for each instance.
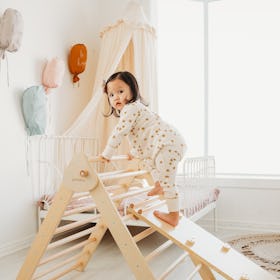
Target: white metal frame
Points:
(196, 173)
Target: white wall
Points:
(247, 204)
(50, 29)
(250, 206)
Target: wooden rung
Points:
(159, 250)
(74, 267)
(149, 200)
(114, 158)
(80, 195)
(153, 206)
(69, 238)
(143, 234)
(130, 193)
(127, 217)
(61, 229)
(196, 270)
(79, 210)
(111, 173)
(57, 266)
(65, 251)
(113, 188)
(173, 266)
(123, 175)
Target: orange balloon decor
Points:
(77, 60)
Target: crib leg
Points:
(215, 219)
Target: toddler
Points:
(155, 142)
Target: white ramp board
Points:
(210, 250)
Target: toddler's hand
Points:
(103, 159)
(129, 156)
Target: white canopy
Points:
(128, 45)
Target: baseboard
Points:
(15, 246)
(239, 226)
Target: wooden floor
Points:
(108, 263)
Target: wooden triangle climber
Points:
(206, 252)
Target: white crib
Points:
(47, 157)
(198, 197)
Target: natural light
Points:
(244, 69)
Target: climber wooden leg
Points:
(204, 271)
(45, 233)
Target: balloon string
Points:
(8, 77)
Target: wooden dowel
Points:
(64, 252)
(173, 266)
(75, 266)
(149, 200)
(111, 173)
(196, 270)
(114, 187)
(55, 267)
(80, 195)
(81, 204)
(139, 204)
(159, 250)
(127, 217)
(114, 158)
(69, 238)
(79, 210)
(123, 175)
(155, 205)
(77, 224)
(143, 234)
(130, 193)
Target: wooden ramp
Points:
(206, 252)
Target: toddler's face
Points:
(119, 94)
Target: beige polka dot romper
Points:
(158, 144)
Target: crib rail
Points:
(196, 169)
(47, 157)
(199, 167)
(195, 196)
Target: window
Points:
(244, 89)
(180, 68)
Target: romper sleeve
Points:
(126, 122)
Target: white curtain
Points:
(128, 45)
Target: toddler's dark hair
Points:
(131, 81)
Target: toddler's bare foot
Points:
(171, 218)
(157, 190)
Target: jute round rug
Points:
(263, 249)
